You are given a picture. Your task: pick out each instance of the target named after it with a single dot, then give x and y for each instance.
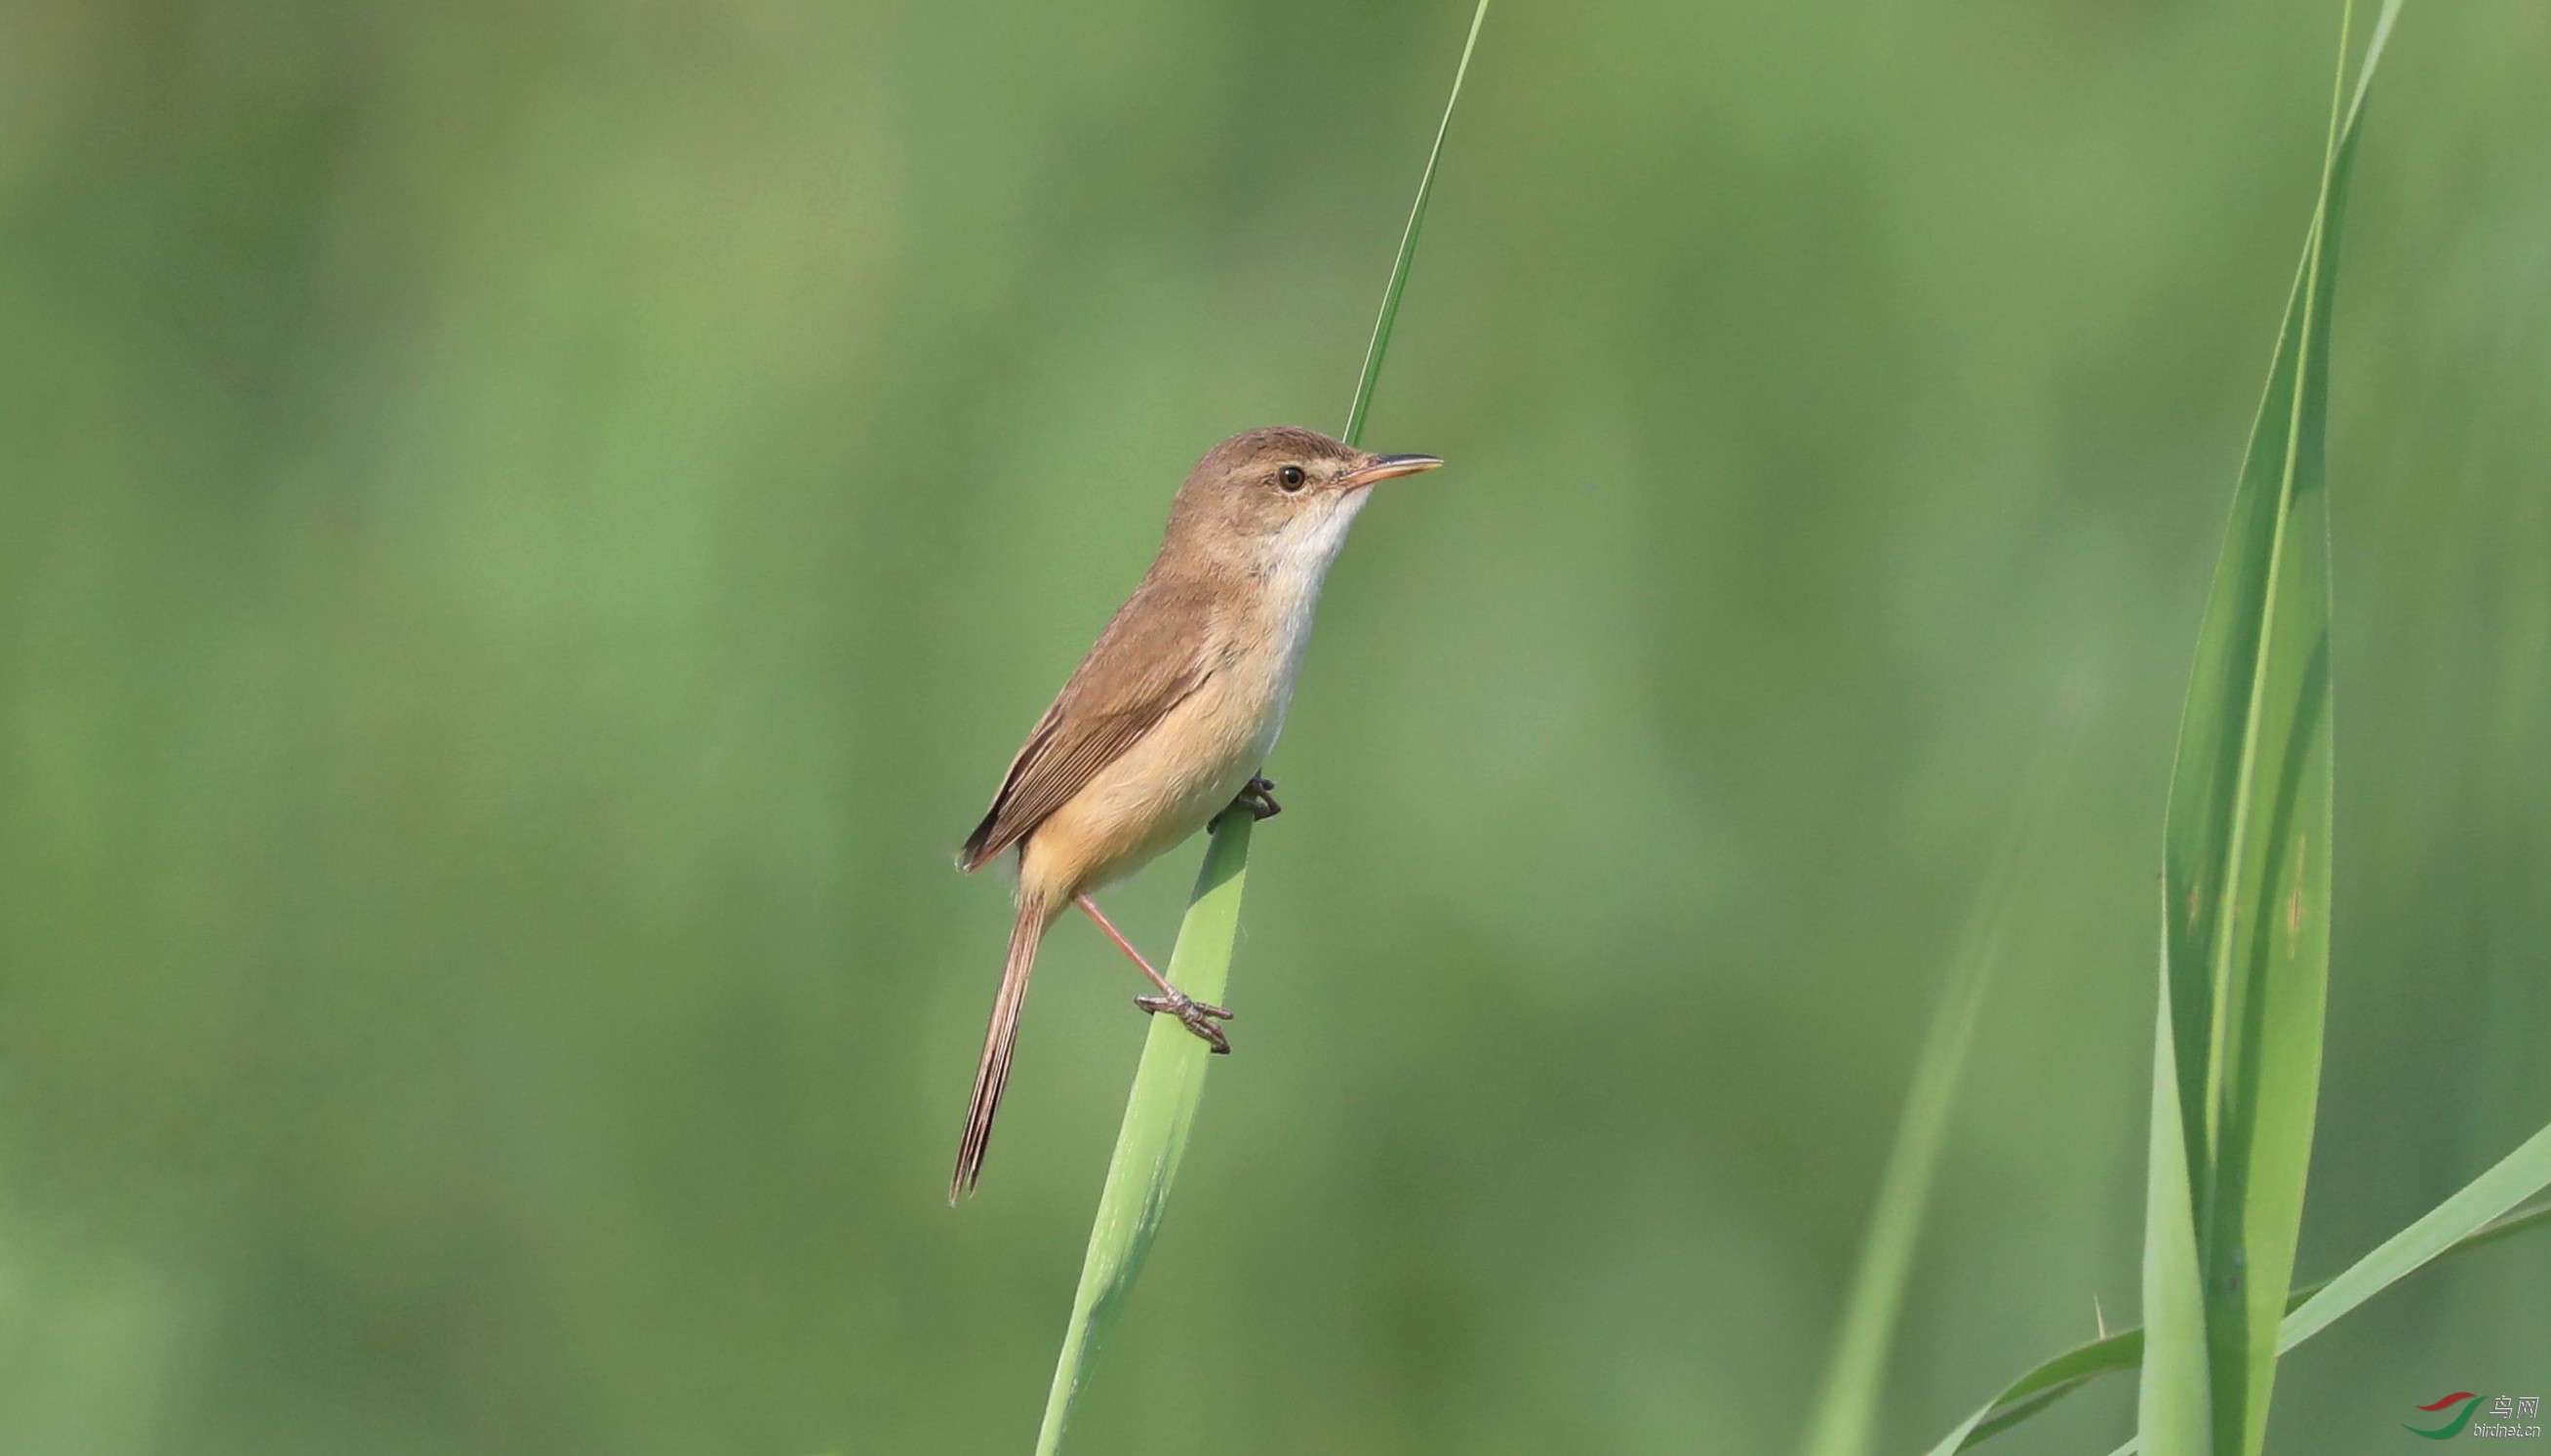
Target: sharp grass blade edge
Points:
(1169, 1084)
(2477, 1215)
(1846, 1411)
(2246, 902)
(1382, 324)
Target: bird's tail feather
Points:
(993, 1073)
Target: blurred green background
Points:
(528, 532)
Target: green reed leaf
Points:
(1389, 315)
(2480, 1214)
(1160, 1113)
(2245, 944)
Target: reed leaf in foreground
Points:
(2245, 949)
(2245, 943)
(1161, 1111)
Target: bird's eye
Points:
(1290, 479)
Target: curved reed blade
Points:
(1158, 1115)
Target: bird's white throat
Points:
(1302, 555)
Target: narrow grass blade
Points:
(1169, 1081)
(1158, 1115)
(2475, 1214)
(2246, 905)
(1381, 344)
(1846, 1410)
(2413, 1248)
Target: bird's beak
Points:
(1385, 468)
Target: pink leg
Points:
(1123, 944)
(1193, 1015)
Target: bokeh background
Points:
(528, 532)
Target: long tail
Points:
(993, 1072)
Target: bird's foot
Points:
(1259, 798)
(1193, 1014)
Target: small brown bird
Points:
(1165, 723)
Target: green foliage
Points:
(2246, 902)
(2238, 1042)
(2478, 1215)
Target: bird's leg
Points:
(1193, 1014)
(1259, 798)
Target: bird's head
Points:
(1278, 498)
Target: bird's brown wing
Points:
(1151, 659)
